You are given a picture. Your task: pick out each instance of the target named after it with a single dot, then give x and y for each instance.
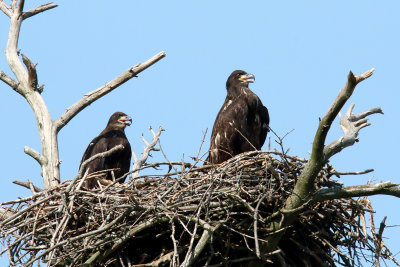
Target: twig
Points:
(146, 152)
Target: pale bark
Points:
(139, 162)
(27, 86)
(304, 189)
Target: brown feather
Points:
(242, 123)
(110, 137)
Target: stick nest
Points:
(214, 216)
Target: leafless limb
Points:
(93, 227)
(26, 84)
(351, 124)
(139, 162)
(353, 173)
(38, 10)
(5, 9)
(36, 155)
(28, 185)
(9, 81)
(385, 188)
(94, 157)
(305, 185)
(89, 98)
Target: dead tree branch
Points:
(207, 220)
(37, 10)
(304, 187)
(26, 84)
(89, 98)
(139, 162)
(351, 124)
(97, 156)
(28, 185)
(385, 188)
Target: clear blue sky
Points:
(299, 51)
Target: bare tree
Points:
(197, 205)
(26, 84)
(304, 192)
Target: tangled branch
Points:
(199, 215)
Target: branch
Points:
(304, 187)
(98, 256)
(89, 98)
(9, 81)
(326, 122)
(146, 152)
(305, 183)
(82, 236)
(351, 124)
(36, 155)
(5, 9)
(205, 237)
(21, 6)
(37, 10)
(5, 214)
(86, 162)
(353, 173)
(28, 185)
(385, 188)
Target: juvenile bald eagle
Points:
(242, 123)
(110, 137)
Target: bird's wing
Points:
(228, 127)
(98, 145)
(264, 116)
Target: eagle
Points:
(112, 136)
(242, 123)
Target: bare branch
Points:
(341, 99)
(304, 186)
(38, 10)
(351, 124)
(36, 155)
(5, 8)
(5, 214)
(353, 173)
(97, 156)
(100, 255)
(27, 185)
(205, 237)
(9, 81)
(21, 6)
(146, 152)
(385, 188)
(89, 98)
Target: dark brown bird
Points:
(110, 137)
(242, 123)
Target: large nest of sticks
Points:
(199, 216)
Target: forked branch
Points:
(351, 124)
(26, 84)
(304, 187)
(139, 162)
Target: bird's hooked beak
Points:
(125, 120)
(248, 78)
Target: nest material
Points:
(214, 216)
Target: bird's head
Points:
(119, 120)
(239, 78)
